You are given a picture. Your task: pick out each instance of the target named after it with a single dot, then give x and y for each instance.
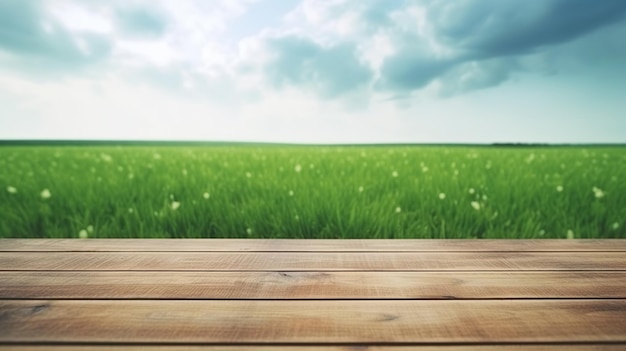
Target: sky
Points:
(314, 71)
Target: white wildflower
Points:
(206, 195)
(398, 209)
(45, 194)
(442, 196)
(471, 190)
(598, 193)
(11, 190)
(175, 205)
(83, 234)
(475, 205)
(559, 188)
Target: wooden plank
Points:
(272, 245)
(323, 261)
(292, 321)
(311, 285)
(504, 347)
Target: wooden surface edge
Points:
(311, 245)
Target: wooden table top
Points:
(249, 294)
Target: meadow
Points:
(271, 191)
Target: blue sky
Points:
(314, 71)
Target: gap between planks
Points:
(282, 347)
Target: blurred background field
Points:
(271, 191)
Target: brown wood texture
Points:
(326, 321)
(313, 261)
(418, 347)
(312, 285)
(382, 295)
(310, 245)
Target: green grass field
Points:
(312, 191)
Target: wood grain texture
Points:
(278, 347)
(309, 245)
(337, 295)
(419, 321)
(311, 285)
(309, 261)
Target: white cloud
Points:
(80, 17)
(334, 70)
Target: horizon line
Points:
(61, 142)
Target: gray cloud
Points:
(330, 71)
(491, 28)
(483, 38)
(373, 14)
(475, 75)
(411, 68)
(142, 22)
(37, 43)
(463, 45)
(376, 12)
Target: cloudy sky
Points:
(314, 71)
